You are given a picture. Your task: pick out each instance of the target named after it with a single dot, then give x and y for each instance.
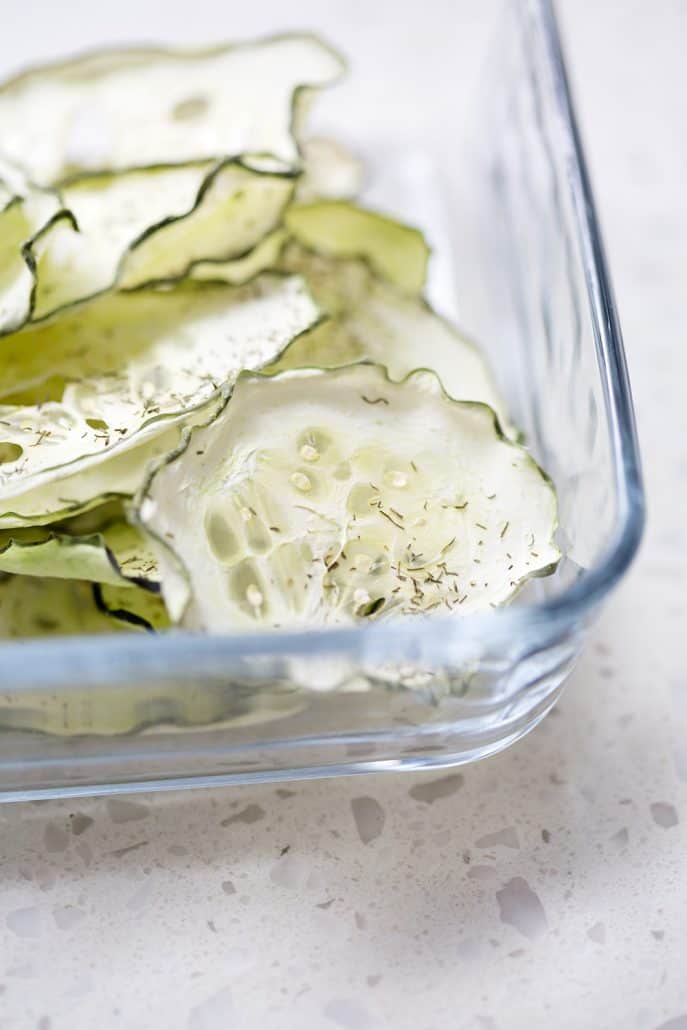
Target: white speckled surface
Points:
(546, 887)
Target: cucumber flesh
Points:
(115, 478)
(117, 555)
(25, 212)
(132, 363)
(398, 253)
(327, 497)
(151, 225)
(370, 320)
(113, 110)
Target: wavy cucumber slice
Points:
(148, 225)
(33, 607)
(113, 479)
(112, 110)
(264, 256)
(329, 171)
(137, 608)
(133, 363)
(324, 497)
(25, 211)
(118, 555)
(340, 229)
(370, 320)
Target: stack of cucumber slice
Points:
(224, 401)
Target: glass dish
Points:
(520, 261)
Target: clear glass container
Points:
(519, 260)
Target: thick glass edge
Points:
(593, 585)
(102, 658)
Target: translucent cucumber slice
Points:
(115, 478)
(329, 171)
(370, 320)
(264, 256)
(33, 607)
(118, 555)
(48, 608)
(135, 608)
(324, 497)
(132, 363)
(112, 110)
(152, 224)
(25, 211)
(340, 229)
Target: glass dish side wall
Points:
(527, 295)
(115, 714)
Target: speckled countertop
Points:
(546, 887)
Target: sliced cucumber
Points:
(132, 363)
(135, 608)
(117, 555)
(143, 226)
(25, 212)
(325, 497)
(371, 320)
(265, 255)
(33, 607)
(340, 229)
(112, 110)
(114, 479)
(329, 171)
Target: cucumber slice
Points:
(370, 320)
(340, 229)
(118, 555)
(324, 497)
(113, 479)
(134, 362)
(33, 607)
(265, 255)
(144, 226)
(24, 213)
(329, 170)
(135, 608)
(112, 110)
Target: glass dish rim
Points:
(105, 656)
